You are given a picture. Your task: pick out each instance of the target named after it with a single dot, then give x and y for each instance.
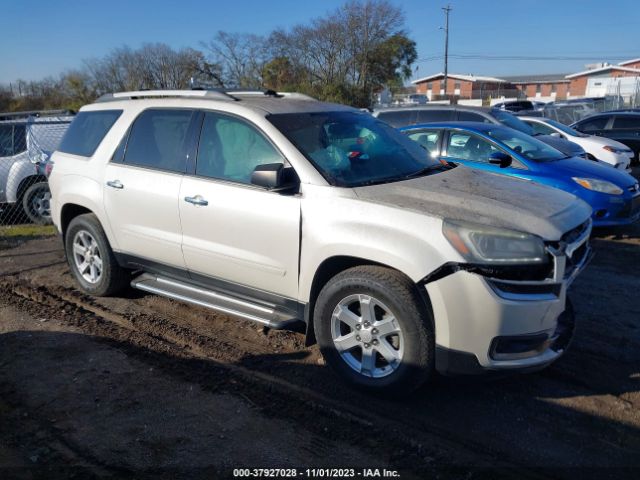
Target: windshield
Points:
(526, 145)
(568, 130)
(512, 121)
(353, 149)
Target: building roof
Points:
(467, 78)
(604, 69)
(545, 78)
(627, 62)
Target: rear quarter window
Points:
(86, 132)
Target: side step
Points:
(269, 315)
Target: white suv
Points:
(278, 208)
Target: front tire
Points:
(375, 331)
(91, 259)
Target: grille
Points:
(572, 235)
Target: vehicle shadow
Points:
(92, 407)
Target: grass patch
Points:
(13, 235)
(27, 231)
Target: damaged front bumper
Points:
(485, 321)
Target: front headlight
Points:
(484, 244)
(598, 185)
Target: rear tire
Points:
(36, 203)
(375, 331)
(91, 259)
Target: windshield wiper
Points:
(426, 170)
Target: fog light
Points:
(522, 346)
(601, 213)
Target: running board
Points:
(268, 315)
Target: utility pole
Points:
(446, 9)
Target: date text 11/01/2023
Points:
(315, 473)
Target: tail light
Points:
(48, 168)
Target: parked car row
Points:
(27, 139)
(610, 194)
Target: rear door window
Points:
(466, 116)
(629, 122)
(593, 125)
(398, 118)
(158, 139)
(86, 132)
(431, 115)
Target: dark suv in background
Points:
(404, 117)
(622, 126)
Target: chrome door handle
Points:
(115, 184)
(197, 200)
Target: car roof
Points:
(478, 127)
(435, 107)
(265, 102)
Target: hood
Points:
(579, 167)
(475, 196)
(565, 146)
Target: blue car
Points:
(613, 195)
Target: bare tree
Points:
(241, 58)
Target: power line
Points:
(517, 57)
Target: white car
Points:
(602, 149)
(278, 208)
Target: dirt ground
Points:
(146, 387)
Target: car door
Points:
(236, 234)
(626, 129)
(142, 185)
(594, 126)
(472, 150)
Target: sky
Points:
(40, 38)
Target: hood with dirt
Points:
(485, 198)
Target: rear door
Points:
(235, 234)
(142, 184)
(626, 129)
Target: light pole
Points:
(446, 9)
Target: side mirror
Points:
(500, 158)
(274, 176)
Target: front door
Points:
(233, 231)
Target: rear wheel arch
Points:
(68, 212)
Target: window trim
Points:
(188, 149)
(192, 170)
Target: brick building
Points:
(550, 85)
(580, 80)
(462, 86)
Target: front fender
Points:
(407, 241)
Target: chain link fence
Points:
(27, 139)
